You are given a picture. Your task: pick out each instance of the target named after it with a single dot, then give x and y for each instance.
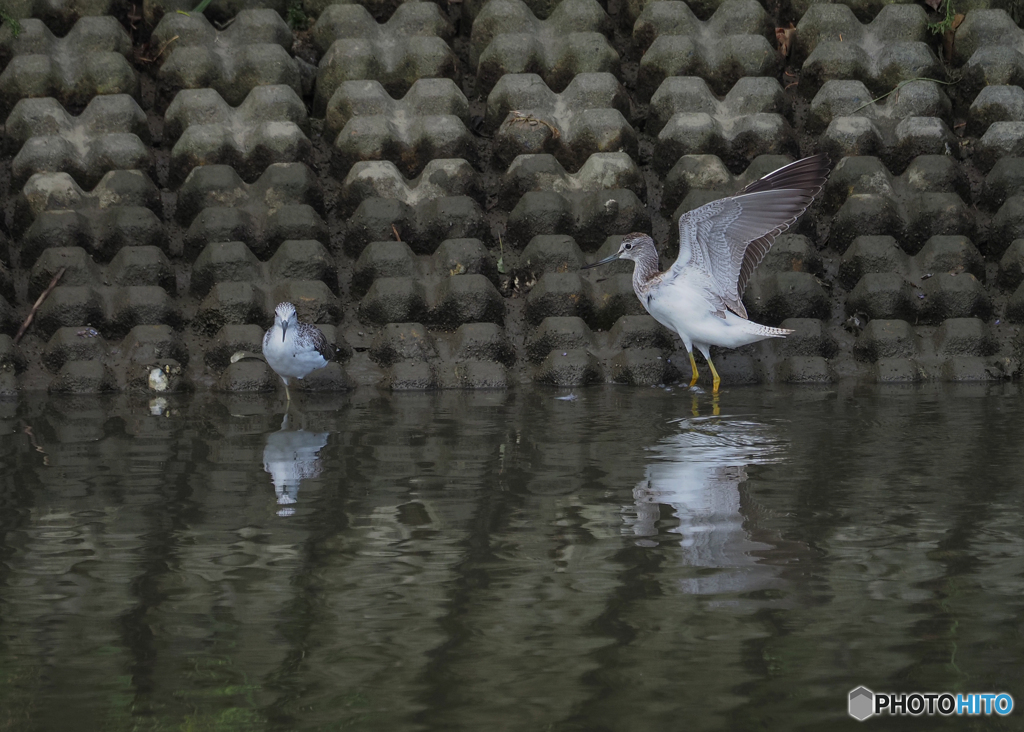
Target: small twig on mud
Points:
(395, 229)
(897, 88)
(32, 313)
(160, 52)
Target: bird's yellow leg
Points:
(287, 394)
(718, 379)
(693, 365)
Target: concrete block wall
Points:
(424, 181)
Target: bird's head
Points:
(285, 317)
(634, 246)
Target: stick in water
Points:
(32, 314)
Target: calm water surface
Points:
(624, 560)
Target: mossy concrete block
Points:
(303, 259)
(995, 103)
(83, 377)
(559, 294)
(60, 17)
(810, 338)
(587, 217)
(793, 253)
(230, 303)
(411, 45)
(832, 44)
(735, 367)
(145, 265)
(314, 302)
(1015, 306)
(775, 297)
(423, 227)
(850, 99)
(269, 127)
(92, 59)
(937, 174)
(588, 118)
(440, 178)
(428, 122)
(79, 269)
(950, 254)
(101, 232)
(805, 370)
(148, 344)
(570, 367)
(951, 295)
(111, 133)
(282, 185)
(853, 136)
(8, 319)
(1011, 266)
(640, 331)
(261, 229)
(543, 172)
(986, 48)
(475, 375)
(871, 254)
(897, 371)
(691, 95)
(397, 342)
(916, 136)
(70, 305)
(885, 339)
(558, 334)
(411, 376)
(224, 261)
(231, 339)
(248, 375)
(332, 377)
(732, 44)
(642, 367)
(464, 256)
(551, 253)
(468, 298)
(394, 300)
(1005, 179)
(52, 191)
(507, 38)
(1001, 140)
(382, 259)
(252, 51)
(142, 305)
(852, 176)
(483, 342)
(969, 368)
(12, 360)
(1006, 226)
(965, 337)
(613, 298)
(865, 214)
(882, 295)
(74, 344)
(736, 140)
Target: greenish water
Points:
(626, 560)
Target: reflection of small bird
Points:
(292, 456)
(701, 296)
(294, 349)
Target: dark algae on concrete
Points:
(425, 180)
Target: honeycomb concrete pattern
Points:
(425, 181)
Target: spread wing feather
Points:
(728, 238)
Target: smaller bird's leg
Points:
(693, 365)
(287, 394)
(718, 379)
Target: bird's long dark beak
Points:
(606, 260)
(284, 329)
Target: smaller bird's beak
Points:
(284, 329)
(606, 260)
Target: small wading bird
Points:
(701, 296)
(294, 349)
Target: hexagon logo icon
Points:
(862, 702)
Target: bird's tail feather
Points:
(769, 332)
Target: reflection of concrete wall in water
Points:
(698, 473)
(291, 456)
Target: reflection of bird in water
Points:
(294, 349)
(698, 473)
(291, 456)
(720, 244)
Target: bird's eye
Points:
(628, 245)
